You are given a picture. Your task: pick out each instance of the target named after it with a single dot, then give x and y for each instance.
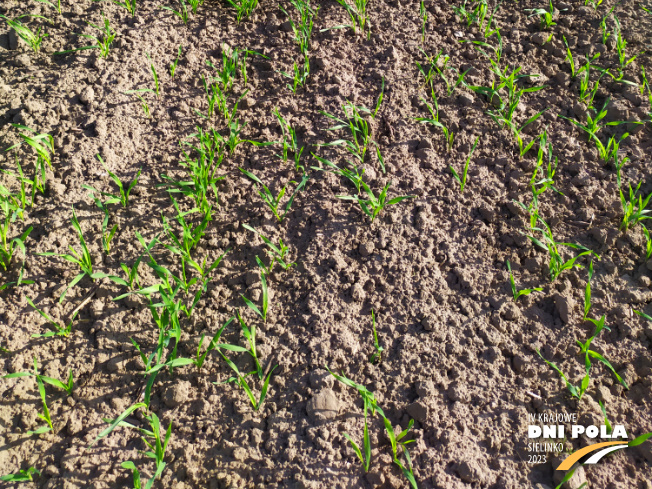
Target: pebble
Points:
(358, 293)
(366, 249)
(87, 95)
(177, 394)
(418, 410)
(323, 406)
(564, 306)
(465, 99)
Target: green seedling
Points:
(244, 8)
(157, 88)
(548, 181)
(18, 282)
(43, 145)
(173, 65)
(234, 61)
(265, 300)
(397, 441)
(131, 273)
(156, 448)
(589, 354)
(621, 46)
(116, 422)
(103, 43)
(365, 457)
(201, 357)
(34, 39)
(587, 293)
(143, 102)
(569, 475)
(634, 209)
(519, 293)
(210, 153)
(374, 204)
(56, 7)
(241, 380)
(302, 29)
(435, 66)
(357, 11)
(278, 253)
(476, 13)
(129, 5)
(569, 58)
(24, 183)
(250, 336)
(9, 246)
(545, 16)
(360, 129)
(82, 258)
(449, 136)
(423, 13)
(482, 47)
(290, 142)
(462, 180)
(648, 242)
(299, 75)
(21, 475)
(606, 419)
(40, 379)
(274, 202)
(377, 356)
(517, 131)
(354, 173)
(107, 234)
(643, 315)
(59, 329)
(182, 13)
(123, 198)
(576, 391)
(557, 263)
(194, 4)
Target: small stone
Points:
(419, 411)
(604, 394)
(564, 306)
(425, 144)
(429, 322)
(519, 364)
(97, 308)
(465, 99)
(540, 38)
(459, 392)
(323, 406)
(366, 249)
(240, 454)
(87, 95)
(487, 212)
(358, 293)
(321, 63)
(248, 103)
(177, 394)
(23, 61)
(116, 364)
(286, 26)
(511, 311)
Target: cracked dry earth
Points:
(459, 354)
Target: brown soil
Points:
(460, 356)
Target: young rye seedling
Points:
(34, 39)
(290, 142)
(374, 204)
(156, 449)
(201, 357)
(354, 173)
(107, 235)
(545, 16)
(182, 13)
(59, 329)
(129, 5)
(82, 259)
(265, 299)
(634, 210)
(557, 264)
(278, 253)
(123, 198)
(433, 65)
(360, 129)
(244, 8)
(9, 246)
(274, 202)
(173, 65)
(462, 180)
(576, 391)
(21, 476)
(519, 293)
(43, 145)
(358, 14)
(303, 28)
(103, 43)
(377, 356)
(449, 136)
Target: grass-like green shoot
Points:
(103, 42)
(241, 380)
(182, 13)
(33, 39)
(157, 87)
(634, 207)
(373, 204)
(359, 128)
(9, 246)
(244, 8)
(557, 263)
(517, 294)
(278, 253)
(43, 145)
(576, 391)
(123, 197)
(262, 312)
(173, 65)
(107, 234)
(214, 343)
(433, 66)
(377, 356)
(21, 475)
(357, 11)
(302, 29)
(299, 74)
(449, 136)
(290, 141)
(354, 173)
(82, 258)
(545, 16)
(143, 103)
(423, 13)
(56, 7)
(58, 329)
(194, 4)
(589, 354)
(274, 202)
(129, 5)
(462, 179)
(156, 448)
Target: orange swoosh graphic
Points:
(570, 461)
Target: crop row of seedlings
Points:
(176, 295)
